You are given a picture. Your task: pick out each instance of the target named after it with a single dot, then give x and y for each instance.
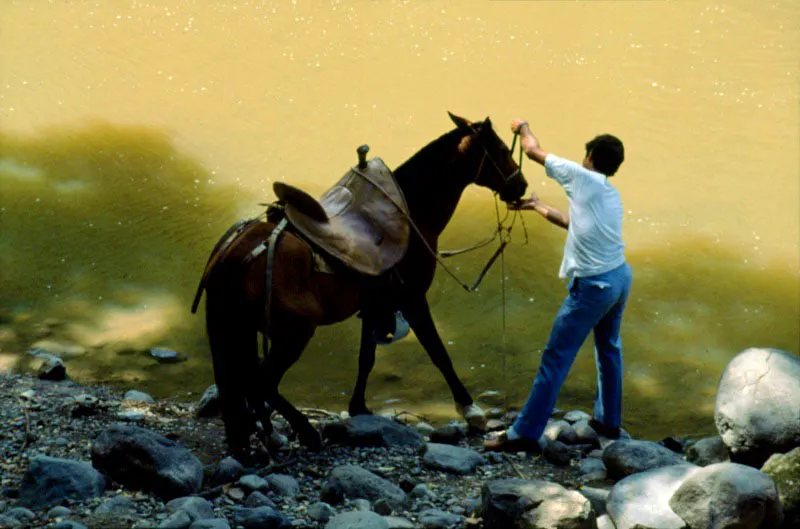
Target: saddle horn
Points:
(362, 156)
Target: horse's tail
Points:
(220, 250)
(232, 335)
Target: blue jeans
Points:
(595, 302)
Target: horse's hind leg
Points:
(287, 345)
(366, 361)
(233, 346)
(418, 314)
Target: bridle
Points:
(506, 178)
(502, 231)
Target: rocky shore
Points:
(76, 457)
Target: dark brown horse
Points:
(302, 299)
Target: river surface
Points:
(132, 134)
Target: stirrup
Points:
(401, 330)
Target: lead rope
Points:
(504, 377)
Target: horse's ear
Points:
(460, 122)
(487, 123)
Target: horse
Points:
(300, 298)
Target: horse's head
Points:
(496, 167)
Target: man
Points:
(599, 283)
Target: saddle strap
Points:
(271, 244)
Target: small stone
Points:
(321, 512)
(576, 415)
(67, 524)
(382, 507)
(283, 485)
(361, 504)
(213, 523)
(257, 499)
(138, 396)
(58, 512)
(422, 491)
(395, 522)
(236, 494)
(253, 482)
(357, 519)
(495, 425)
(179, 520)
(20, 514)
(450, 434)
(117, 505)
(439, 519)
(131, 415)
(424, 428)
(228, 471)
(492, 397)
(209, 405)
(52, 368)
(495, 413)
(166, 356)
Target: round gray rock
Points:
(451, 458)
(708, 451)
(372, 431)
(784, 469)
(628, 456)
(726, 495)
(49, 481)
(534, 504)
(142, 459)
(351, 481)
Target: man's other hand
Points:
(526, 204)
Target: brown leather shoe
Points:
(502, 443)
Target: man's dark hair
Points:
(607, 153)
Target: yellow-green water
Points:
(132, 134)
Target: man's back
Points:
(594, 237)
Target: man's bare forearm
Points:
(552, 215)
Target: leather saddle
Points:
(362, 220)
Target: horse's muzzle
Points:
(514, 189)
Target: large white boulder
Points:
(641, 501)
(758, 405)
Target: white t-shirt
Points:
(594, 238)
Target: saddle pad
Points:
(367, 227)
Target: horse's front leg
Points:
(418, 314)
(366, 361)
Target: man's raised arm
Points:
(529, 142)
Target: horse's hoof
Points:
(474, 416)
(243, 456)
(277, 442)
(311, 440)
